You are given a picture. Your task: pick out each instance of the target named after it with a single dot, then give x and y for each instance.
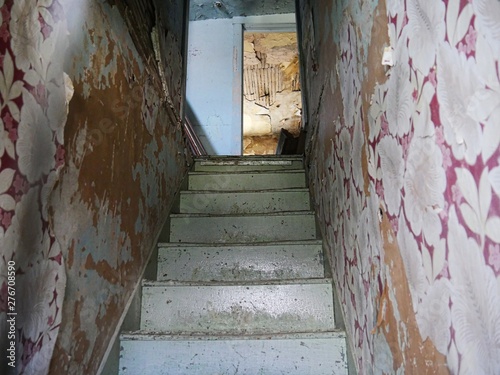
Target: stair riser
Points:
(242, 166)
(252, 309)
(286, 357)
(238, 263)
(244, 203)
(246, 181)
(220, 229)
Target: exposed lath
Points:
(262, 82)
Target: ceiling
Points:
(210, 9)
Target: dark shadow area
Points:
(198, 129)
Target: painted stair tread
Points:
(247, 173)
(140, 335)
(240, 262)
(202, 228)
(247, 159)
(251, 180)
(298, 354)
(231, 163)
(270, 243)
(323, 280)
(249, 307)
(270, 214)
(243, 202)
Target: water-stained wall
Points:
(405, 169)
(91, 154)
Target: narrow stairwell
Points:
(241, 285)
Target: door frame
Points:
(278, 23)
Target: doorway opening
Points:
(271, 90)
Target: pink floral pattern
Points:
(433, 162)
(494, 256)
(25, 235)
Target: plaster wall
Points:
(210, 85)
(214, 71)
(404, 165)
(271, 102)
(91, 155)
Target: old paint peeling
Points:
(411, 352)
(103, 39)
(125, 161)
(66, 172)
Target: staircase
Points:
(241, 286)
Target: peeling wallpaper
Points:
(405, 170)
(91, 154)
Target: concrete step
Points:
(244, 202)
(200, 228)
(302, 354)
(247, 163)
(239, 262)
(237, 181)
(232, 308)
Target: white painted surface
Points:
(249, 228)
(268, 23)
(209, 85)
(214, 78)
(248, 163)
(237, 104)
(238, 181)
(274, 307)
(244, 202)
(239, 262)
(304, 354)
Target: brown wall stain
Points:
(103, 269)
(401, 330)
(124, 163)
(415, 356)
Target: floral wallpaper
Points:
(89, 164)
(405, 168)
(34, 97)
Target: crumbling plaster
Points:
(264, 117)
(259, 118)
